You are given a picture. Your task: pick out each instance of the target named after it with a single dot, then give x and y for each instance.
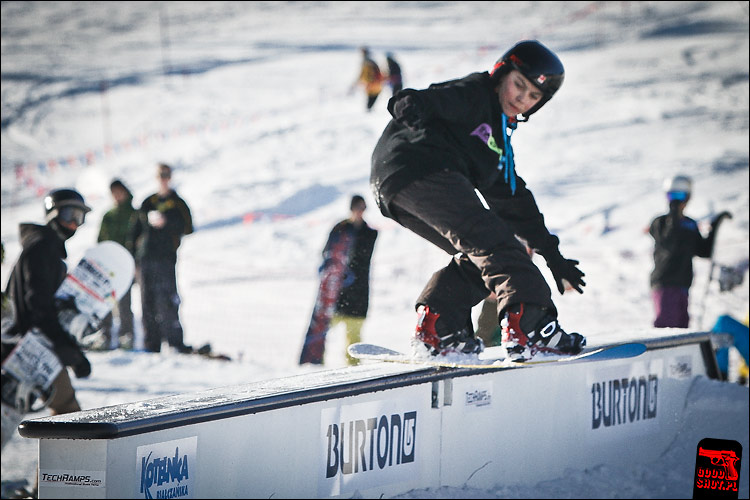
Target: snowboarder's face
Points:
(517, 94)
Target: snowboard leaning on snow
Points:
(86, 296)
(332, 274)
(492, 357)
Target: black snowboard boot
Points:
(438, 341)
(529, 328)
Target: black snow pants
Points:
(161, 304)
(444, 209)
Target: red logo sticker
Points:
(717, 469)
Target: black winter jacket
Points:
(676, 241)
(461, 117)
(35, 278)
(148, 242)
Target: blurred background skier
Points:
(395, 80)
(370, 77)
(677, 239)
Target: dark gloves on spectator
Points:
(563, 270)
(405, 110)
(83, 368)
(70, 354)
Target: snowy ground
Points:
(250, 103)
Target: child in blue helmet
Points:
(677, 240)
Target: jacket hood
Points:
(32, 234)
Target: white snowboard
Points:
(97, 283)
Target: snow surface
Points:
(250, 103)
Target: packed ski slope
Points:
(251, 103)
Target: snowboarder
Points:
(353, 300)
(344, 290)
(677, 240)
(442, 144)
(36, 276)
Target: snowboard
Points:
(86, 296)
(332, 274)
(207, 352)
(491, 358)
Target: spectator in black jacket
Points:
(161, 222)
(444, 143)
(677, 240)
(36, 276)
(354, 297)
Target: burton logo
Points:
(623, 401)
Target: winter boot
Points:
(432, 335)
(529, 328)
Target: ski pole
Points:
(714, 230)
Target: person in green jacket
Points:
(116, 225)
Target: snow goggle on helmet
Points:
(67, 205)
(71, 213)
(538, 64)
(678, 195)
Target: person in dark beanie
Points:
(116, 225)
(443, 145)
(36, 276)
(354, 297)
(160, 223)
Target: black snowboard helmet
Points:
(537, 63)
(65, 204)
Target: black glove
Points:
(566, 269)
(66, 348)
(70, 354)
(405, 110)
(83, 368)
